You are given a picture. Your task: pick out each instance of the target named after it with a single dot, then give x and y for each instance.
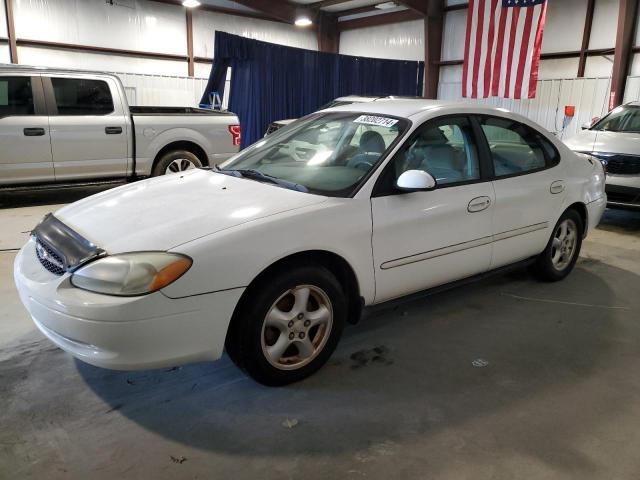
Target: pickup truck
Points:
(62, 127)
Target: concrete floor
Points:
(508, 378)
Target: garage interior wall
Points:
(558, 85)
(134, 25)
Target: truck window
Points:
(16, 96)
(80, 96)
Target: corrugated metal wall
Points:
(590, 96)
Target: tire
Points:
(563, 249)
(176, 161)
(269, 321)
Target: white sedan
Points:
(270, 254)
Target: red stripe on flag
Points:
(488, 64)
(477, 53)
(512, 39)
(466, 48)
(524, 49)
(535, 64)
(497, 69)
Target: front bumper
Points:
(123, 333)
(623, 191)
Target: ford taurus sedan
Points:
(271, 253)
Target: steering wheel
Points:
(363, 163)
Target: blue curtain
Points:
(273, 82)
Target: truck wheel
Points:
(176, 161)
(288, 325)
(563, 249)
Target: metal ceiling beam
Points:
(586, 37)
(11, 31)
(280, 9)
(328, 34)
(433, 31)
(327, 3)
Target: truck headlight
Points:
(131, 274)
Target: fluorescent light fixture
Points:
(303, 21)
(191, 3)
(386, 5)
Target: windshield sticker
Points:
(373, 120)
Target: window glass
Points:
(445, 150)
(78, 96)
(625, 118)
(515, 148)
(322, 152)
(16, 96)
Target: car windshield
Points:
(328, 153)
(625, 118)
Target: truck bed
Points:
(139, 110)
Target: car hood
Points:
(582, 141)
(164, 212)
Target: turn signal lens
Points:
(131, 274)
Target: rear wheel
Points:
(288, 326)
(176, 161)
(563, 249)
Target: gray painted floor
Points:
(504, 379)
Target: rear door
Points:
(88, 127)
(529, 187)
(25, 146)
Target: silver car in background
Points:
(615, 141)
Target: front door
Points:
(424, 239)
(88, 128)
(25, 143)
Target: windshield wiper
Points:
(259, 176)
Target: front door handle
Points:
(479, 204)
(33, 132)
(113, 130)
(557, 187)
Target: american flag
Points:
(502, 49)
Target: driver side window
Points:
(445, 149)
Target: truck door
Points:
(89, 134)
(25, 146)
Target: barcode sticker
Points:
(374, 120)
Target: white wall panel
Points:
(3, 23)
(146, 26)
(49, 57)
(154, 90)
(605, 23)
(632, 91)
(635, 65)
(454, 35)
(397, 41)
(5, 57)
(202, 69)
(564, 25)
(558, 68)
(205, 25)
(588, 95)
(599, 66)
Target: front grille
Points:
(49, 258)
(619, 164)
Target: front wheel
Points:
(288, 326)
(563, 249)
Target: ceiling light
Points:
(191, 3)
(303, 21)
(386, 5)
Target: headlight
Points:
(131, 274)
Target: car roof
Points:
(11, 68)
(409, 107)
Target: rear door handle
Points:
(479, 204)
(113, 130)
(557, 187)
(33, 132)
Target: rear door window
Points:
(16, 96)
(80, 96)
(516, 148)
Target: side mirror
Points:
(586, 125)
(415, 181)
